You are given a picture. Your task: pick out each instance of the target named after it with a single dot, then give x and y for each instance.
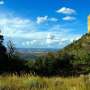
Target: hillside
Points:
(74, 59)
(82, 43)
(80, 48)
(78, 53)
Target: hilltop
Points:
(83, 43)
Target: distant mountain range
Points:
(79, 48)
(33, 53)
(37, 50)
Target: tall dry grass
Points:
(29, 82)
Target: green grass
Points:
(29, 82)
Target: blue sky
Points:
(43, 23)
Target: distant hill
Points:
(37, 50)
(79, 48)
(34, 53)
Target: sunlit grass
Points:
(29, 82)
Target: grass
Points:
(29, 82)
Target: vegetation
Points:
(9, 61)
(29, 82)
(73, 60)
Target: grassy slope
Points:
(28, 82)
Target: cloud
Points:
(49, 41)
(2, 2)
(53, 19)
(25, 33)
(50, 36)
(65, 10)
(14, 21)
(16, 26)
(27, 43)
(41, 19)
(68, 18)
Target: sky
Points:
(43, 23)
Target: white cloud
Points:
(26, 43)
(41, 19)
(68, 18)
(50, 36)
(26, 33)
(53, 19)
(54, 41)
(14, 21)
(16, 27)
(33, 41)
(49, 41)
(64, 39)
(65, 10)
(2, 2)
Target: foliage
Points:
(9, 62)
(74, 59)
(3, 56)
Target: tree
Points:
(3, 55)
(3, 50)
(11, 49)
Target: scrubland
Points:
(30, 82)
